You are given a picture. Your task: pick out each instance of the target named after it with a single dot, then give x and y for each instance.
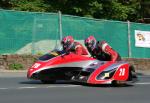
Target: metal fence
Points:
(34, 32)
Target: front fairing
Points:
(55, 60)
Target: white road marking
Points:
(143, 76)
(144, 83)
(26, 87)
(63, 86)
(52, 86)
(3, 88)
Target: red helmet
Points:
(90, 42)
(67, 41)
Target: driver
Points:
(101, 50)
(69, 45)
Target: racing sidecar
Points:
(59, 65)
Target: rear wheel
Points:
(48, 81)
(132, 74)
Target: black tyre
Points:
(118, 83)
(132, 73)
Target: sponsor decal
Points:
(54, 53)
(142, 38)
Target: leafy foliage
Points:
(16, 66)
(29, 5)
(103, 9)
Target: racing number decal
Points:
(122, 72)
(36, 65)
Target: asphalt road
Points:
(16, 88)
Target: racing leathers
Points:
(104, 52)
(76, 48)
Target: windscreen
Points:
(51, 55)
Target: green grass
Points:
(16, 66)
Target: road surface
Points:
(16, 88)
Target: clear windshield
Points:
(51, 55)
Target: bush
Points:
(16, 66)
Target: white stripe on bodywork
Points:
(77, 46)
(115, 65)
(81, 64)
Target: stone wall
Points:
(27, 60)
(24, 60)
(140, 64)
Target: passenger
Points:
(101, 50)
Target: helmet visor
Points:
(89, 45)
(62, 42)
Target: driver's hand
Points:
(67, 52)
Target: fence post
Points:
(60, 25)
(129, 41)
(33, 36)
(57, 46)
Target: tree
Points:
(145, 8)
(5, 4)
(102, 9)
(29, 5)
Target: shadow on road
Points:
(37, 82)
(30, 82)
